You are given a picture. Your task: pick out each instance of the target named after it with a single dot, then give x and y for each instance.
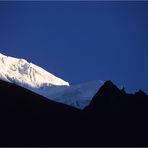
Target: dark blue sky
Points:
(80, 41)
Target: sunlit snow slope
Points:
(38, 80)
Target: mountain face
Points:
(38, 80)
(78, 96)
(110, 98)
(28, 119)
(119, 118)
(113, 118)
(90, 114)
(21, 72)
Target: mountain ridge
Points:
(38, 80)
(29, 119)
(27, 73)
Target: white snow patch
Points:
(25, 73)
(38, 80)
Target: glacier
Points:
(34, 78)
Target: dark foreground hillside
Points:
(113, 118)
(28, 119)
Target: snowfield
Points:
(38, 80)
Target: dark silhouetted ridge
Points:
(109, 89)
(109, 98)
(113, 118)
(119, 117)
(140, 93)
(28, 119)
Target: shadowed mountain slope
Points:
(113, 118)
(28, 119)
(120, 117)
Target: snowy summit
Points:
(25, 73)
(38, 80)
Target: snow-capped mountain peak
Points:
(21, 72)
(38, 80)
